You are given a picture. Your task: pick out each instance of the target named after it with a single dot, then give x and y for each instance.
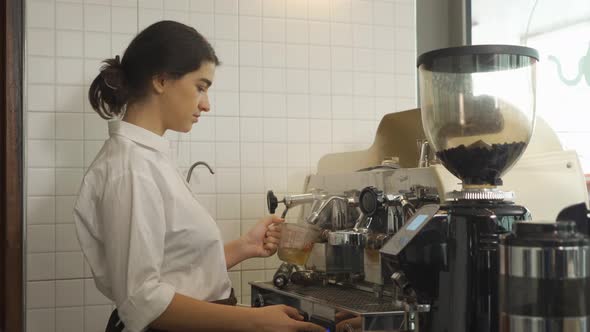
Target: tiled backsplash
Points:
(299, 79)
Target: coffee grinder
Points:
(478, 114)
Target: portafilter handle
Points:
(272, 202)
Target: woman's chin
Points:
(185, 129)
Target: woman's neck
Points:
(145, 115)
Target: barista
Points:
(152, 247)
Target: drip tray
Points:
(349, 299)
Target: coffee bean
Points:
(481, 163)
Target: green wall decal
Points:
(583, 69)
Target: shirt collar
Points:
(139, 135)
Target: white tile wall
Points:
(69, 319)
(299, 79)
(41, 320)
(41, 266)
(69, 293)
(69, 265)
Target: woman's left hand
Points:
(262, 240)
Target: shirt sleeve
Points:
(134, 232)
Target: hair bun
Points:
(112, 73)
(108, 94)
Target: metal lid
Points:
(545, 234)
(481, 195)
(532, 228)
(477, 58)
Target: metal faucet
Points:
(313, 217)
(190, 170)
(424, 154)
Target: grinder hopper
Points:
(478, 108)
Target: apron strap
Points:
(231, 300)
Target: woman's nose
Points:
(204, 105)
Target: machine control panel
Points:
(420, 219)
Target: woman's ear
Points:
(159, 83)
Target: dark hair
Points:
(164, 48)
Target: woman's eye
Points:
(200, 89)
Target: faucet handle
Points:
(370, 199)
(272, 202)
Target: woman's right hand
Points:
(284, 319)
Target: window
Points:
(560, 31)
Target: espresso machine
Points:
(411, 243)
(343, 285)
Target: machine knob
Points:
(280, 281)
(305, 315)
(399, 278)
(272, 202)
(259, 301)
(281, 277)
(370, 199)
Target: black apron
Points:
(116, 325)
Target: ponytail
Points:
(108, 92)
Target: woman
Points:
(153, 249)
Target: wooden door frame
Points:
(11, 165)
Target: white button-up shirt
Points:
(143, 233)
